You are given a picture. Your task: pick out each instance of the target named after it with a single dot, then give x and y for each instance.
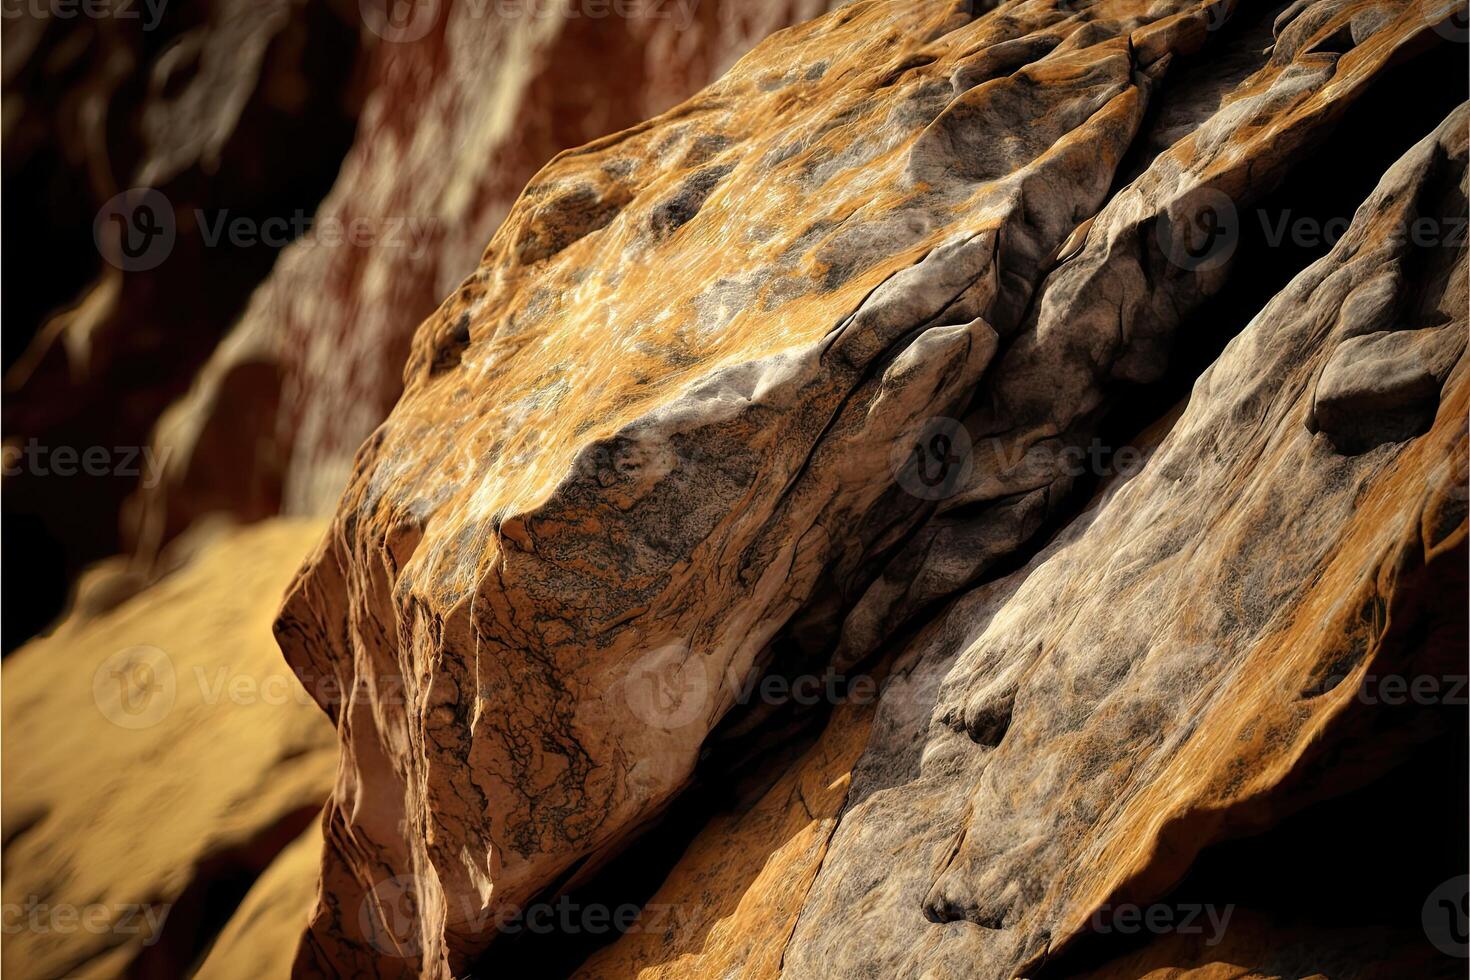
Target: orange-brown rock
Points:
(757, 382)
(1229, 613)
(466, 102)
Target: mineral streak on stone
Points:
(667, 423)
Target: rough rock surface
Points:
(692, 419)
(457, 120)
(155, 755)
(1224, 609)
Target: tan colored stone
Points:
(151, 751)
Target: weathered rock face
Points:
(157, 756)
(1224, 609)
(756, 385)
(466, 104)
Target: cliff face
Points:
(765, 386)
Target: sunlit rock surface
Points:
(467, 100)
(156, 756)
(764, 381)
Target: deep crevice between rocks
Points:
(1366, 860)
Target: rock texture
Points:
(757, 385)
(462, 111)
(156, 758)
(1226, 609)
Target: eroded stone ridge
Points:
(698, 405)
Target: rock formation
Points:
(973, 479)
(464, 106)
(762, 385)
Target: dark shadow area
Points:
(218, 887)
(1363, 863)
(146, 331)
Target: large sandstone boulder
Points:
(757, 386)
